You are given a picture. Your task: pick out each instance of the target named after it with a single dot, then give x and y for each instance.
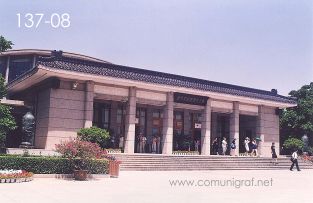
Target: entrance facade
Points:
(192, 127)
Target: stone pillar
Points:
(167, 141)
(234, 126)
(206, 129)
(130, 121)
(260, 129)
(89, 96)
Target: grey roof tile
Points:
(136, 74)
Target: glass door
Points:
(178, 131)
(140, 130)
(196, 131)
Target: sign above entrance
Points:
(190, 99)
(198, 125)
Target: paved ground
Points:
(149, 187)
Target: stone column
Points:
(167, 141)
(130, 122)
(89, 96)
(234, 126)
(260, 129)
(206, 129)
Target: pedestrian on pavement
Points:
(294, 159)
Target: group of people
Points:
(251, 147)
(224, 146)
(148, 144)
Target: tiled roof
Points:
(148, 76)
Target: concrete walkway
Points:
(282, 186)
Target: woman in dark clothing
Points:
(215, 146)
(274, 155)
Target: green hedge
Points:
(49, 165)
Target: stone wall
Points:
(60, 114)
(270, 128)
(42, 118)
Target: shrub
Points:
(80, 152)
(50, 165)
(293, 144)
(95, 135)
(80, 149)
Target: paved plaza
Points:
(282, 186)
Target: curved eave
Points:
(41, 73)
(44, 52)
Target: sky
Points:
(262, 44)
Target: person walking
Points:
(233, 148)
(121, 143)
(215, 146)
(246, 143)
(154, 145)
(143, 144)
(197, 143)
(158, 144)
(224, 146)
(274, 155)
(294, 159)
(254, 148)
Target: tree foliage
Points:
(7, 121)
(95, 135)
(293, 144)
(2, 87)
(297, 121)
(5, 44)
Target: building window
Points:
(3, 67)
(119, 116)
(120, 126)
(19, 65)
(101, 115)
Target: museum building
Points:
(67, 91)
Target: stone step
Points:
(219, 165)
(200, 169)
(146, 162)
(208, 162)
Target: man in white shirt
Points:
(294, 158)
(224, 146)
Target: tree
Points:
(297, 121)
(5, 44)
(7, 121)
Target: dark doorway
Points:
(247, 128)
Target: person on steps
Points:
(274, 155)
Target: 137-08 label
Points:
(55, 20)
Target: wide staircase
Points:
(156, 162)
